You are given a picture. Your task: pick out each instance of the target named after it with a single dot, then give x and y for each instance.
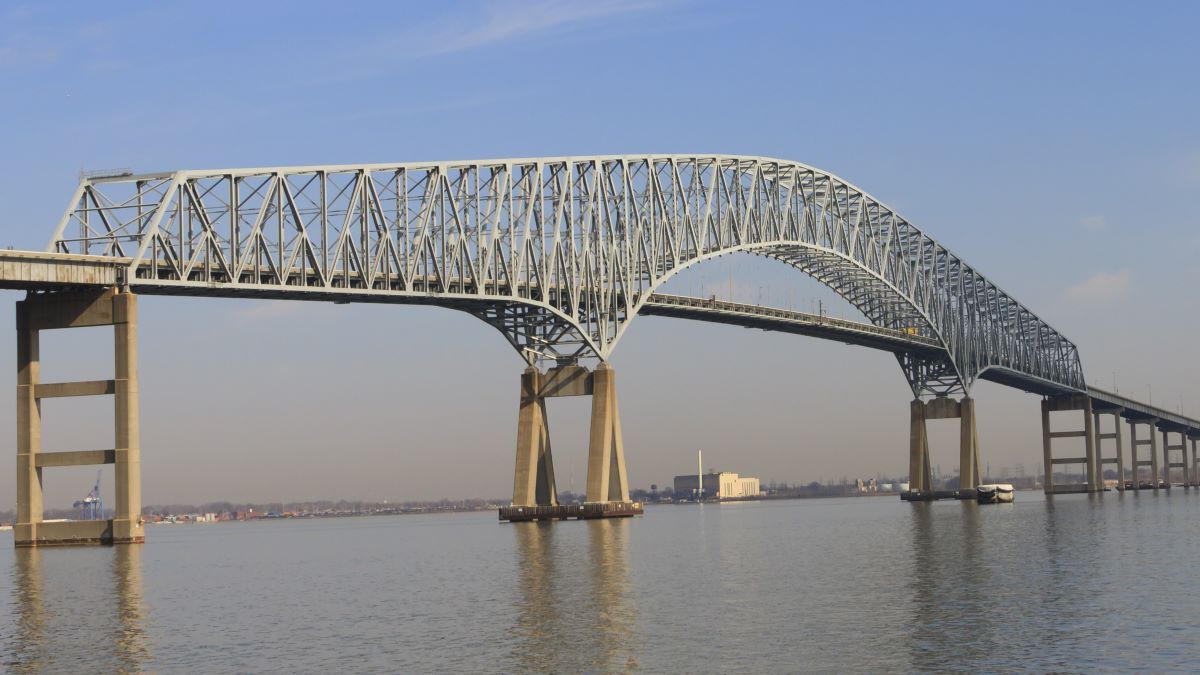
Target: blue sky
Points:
(1052, 145)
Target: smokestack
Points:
(699, 473)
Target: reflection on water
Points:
(1073, 583)
(614, 609)
(30, 611)
(72, 612)
(574, 608)
(951, 617)
(132, 648)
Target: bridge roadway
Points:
(41, 271)
(558, 254)
(886, 339)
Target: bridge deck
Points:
(802, 323)
(35, 270)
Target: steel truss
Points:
(558, 254)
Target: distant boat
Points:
(994, 493)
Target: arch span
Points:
(557, 253)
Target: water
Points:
(1075, 583)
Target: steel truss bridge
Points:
(560, 254)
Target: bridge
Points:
(559, 255)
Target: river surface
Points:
(1074, 583)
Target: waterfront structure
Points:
(719, 484)
(559, 254)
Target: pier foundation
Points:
(920, 473)
(534, 493)
(1069, 403)
(50, 311)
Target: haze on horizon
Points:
(1054, 147)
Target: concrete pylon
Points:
(533, 480)
(1118, 457)
(1194, 474)
(1154, 474)
(920, 473)
(1089, 460)
(127, 454)
(1182, 464)
(968, 449)
(50, 311)
(607, 480)
(1135, 445)
(29, 430)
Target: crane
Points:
(93, 503)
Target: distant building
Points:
(866, 486)
(723, 485)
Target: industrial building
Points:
(722, 484)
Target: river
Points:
(1074, 583)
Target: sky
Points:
(1053, 146)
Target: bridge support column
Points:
(534, 495)
(1135, 460)
(50, 311)
(1194, 475)
(1065, 403)
(920, 474)
(607, 480)
(533, 480)
(1168, 464)
(1119, 458)
(968, 450)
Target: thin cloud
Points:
(1093, 223)
(1101, 286)
(501, 22)
(481, 25)
(505, 22)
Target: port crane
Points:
(93, 503)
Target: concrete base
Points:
(517, 514)
(1075, 489)
(930, 496)
(69, 533)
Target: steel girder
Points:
(558, 254)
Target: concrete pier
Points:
(1118, 458)
(1135, 460)
(49, 311)
(1167, 449)
(607, 480)
(920, 475)
(533, 480)
(1092, 479)
(534, 494)
(1194, 475)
